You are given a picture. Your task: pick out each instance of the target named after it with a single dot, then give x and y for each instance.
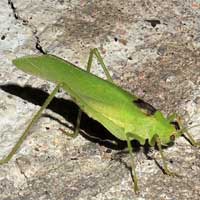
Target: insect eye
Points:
(172, 137)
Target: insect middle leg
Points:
(165, 166)
(130, 149)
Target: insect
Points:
(126, 116)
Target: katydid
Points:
(124, 115)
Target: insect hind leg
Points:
(95, 52)
(34, 120)
(77, 127)
(89, 65)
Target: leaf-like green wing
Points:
(100, 99)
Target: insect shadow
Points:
(90, 129)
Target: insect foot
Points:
(170, 173)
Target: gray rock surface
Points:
(151, 49)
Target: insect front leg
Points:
(34, 119)
(191, 139)
(185, 132)
(130, 149)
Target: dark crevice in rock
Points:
(26, 22)
(15, 14)
(37, 44)
(11, 4)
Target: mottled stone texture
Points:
(151, 49)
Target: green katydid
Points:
(126, 116)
